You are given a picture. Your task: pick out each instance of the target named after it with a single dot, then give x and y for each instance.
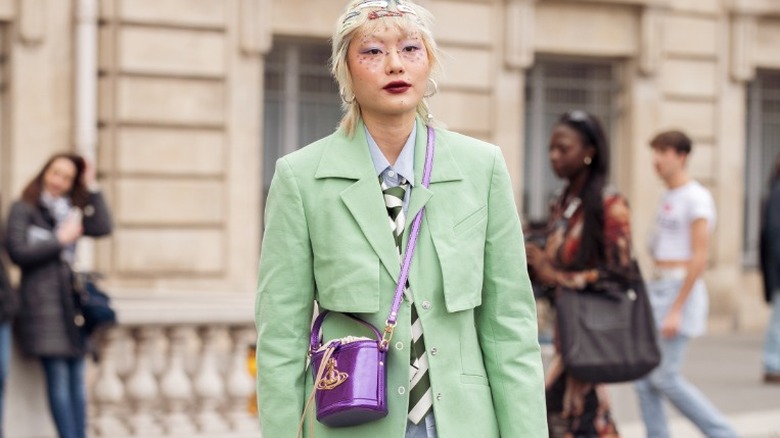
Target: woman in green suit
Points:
(327, 241)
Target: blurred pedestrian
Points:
(59, 205)
(8, 304)
(589, 241)
(770, 268)
(680, 247)
(335, 224)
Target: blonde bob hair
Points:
(353, 21)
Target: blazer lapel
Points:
(347, 158)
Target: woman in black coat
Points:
(770, 268)
(8, 305)
(57, 207)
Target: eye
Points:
(411, 48)
(372, 51)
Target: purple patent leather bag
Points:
(350, 387)
(350, 374)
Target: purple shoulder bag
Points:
(350, 378)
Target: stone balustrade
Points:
(175, 366)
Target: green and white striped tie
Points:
(420, 395)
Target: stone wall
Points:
(179, 142)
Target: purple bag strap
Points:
(387, 333)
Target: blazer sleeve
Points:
(97, 217)
(283, 307)
(5, 283)
(8, 298)
(506, 320)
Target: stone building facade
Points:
(185, 104)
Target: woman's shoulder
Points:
(612, 194)
(469, 155)
(463, 143)
(314, 148)
(306, 159)
(613, 198)
(20, 206)
(615, 204)
(22, 212)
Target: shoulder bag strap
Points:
(392, 318)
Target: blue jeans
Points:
(425, 429)
(5, 356)
(663, 293)
(772, 340)
(666, 381)
(67, 395)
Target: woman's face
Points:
(389, 71)
(567, 152)
(59, 177)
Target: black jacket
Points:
(45, 324)
(770, 241)
(8, 299)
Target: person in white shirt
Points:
(679, 246)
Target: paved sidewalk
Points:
(727, 369)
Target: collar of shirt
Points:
(404, 165)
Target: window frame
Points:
(291, 99)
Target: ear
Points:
(590, 152)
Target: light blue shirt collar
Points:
(404, 165)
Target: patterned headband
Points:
(384, 10)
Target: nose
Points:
(394, 62)
(656, 158)
(554, 155)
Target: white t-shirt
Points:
(676, 212)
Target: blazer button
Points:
(401, 390)
(426, 304)
(434, 350)
(399, 345)
(438, 396)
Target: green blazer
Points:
(327, 241)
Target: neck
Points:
(47, 194)
(577, 183)
(679, 179)
(390, 134)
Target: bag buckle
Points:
(387, 335)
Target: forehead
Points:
(392, 26)
(62, 165)
(564, 130)
(664, 149)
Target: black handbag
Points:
(93, 305)
(607, 332)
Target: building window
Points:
(301, 100)
(763, 147)
(554, 86)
